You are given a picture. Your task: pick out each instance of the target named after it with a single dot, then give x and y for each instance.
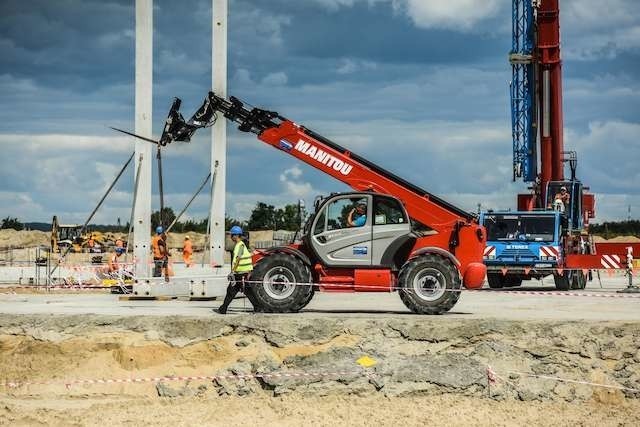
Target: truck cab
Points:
(521, 242)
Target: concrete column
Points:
(219, 131)
(143, 101)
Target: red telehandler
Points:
(386, 235)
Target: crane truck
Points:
(405, 239)
(547, 234)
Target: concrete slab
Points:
(472, 305)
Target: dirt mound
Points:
(24, 239)
(420, 373)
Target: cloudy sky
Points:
(419, 87)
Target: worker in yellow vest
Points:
(241, 267)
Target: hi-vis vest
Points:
(155, 246)
(240, 252)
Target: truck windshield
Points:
(520, 227)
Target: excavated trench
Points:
(411, 358)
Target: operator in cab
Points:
(358, 215)
(561, 200)
(241, 267)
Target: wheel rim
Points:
(429, 284)
(279, 282)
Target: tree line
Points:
(612, 229)
(262, 217)
(268, 217)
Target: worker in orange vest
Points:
(187, 251)
(160, 253)
(114, 260)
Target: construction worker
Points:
(91, 243)
(358, 215)
(114, 260)
(160, 252)
(241, 267)
(187, 251)
(564, 197)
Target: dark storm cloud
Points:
(426, 99)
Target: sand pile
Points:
(24, 239)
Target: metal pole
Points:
(190, 201)
(218, 132)
(143, 125)
(133, 207)
(160, 186)
(207, 238)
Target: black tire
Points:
(579, 280)
(563, 281)
(417, 278)
(495, 280)
(513, 282)
(272, 294)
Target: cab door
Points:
(336, 242)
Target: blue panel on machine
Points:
(360, 250)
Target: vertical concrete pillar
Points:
(143, 123)
(218, 132)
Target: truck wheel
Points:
(276, 284)
(495, 280)
(579, 280)
(512, 282)
(426, 284)
(563, 281)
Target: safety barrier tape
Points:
(493, 378)
(69, 383)
(600, 294)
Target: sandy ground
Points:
(442, 410)
(52, 350)
(53, 338)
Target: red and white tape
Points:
(493, 378)
(69, 383)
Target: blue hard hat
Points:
(119, 250)
(236, 230)
(159, 229)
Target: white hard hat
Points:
(186, 237)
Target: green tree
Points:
(167, 217)
(13, 223)
(263, 217)
(290, 219)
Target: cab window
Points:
(346, 213)
(322, 217)
(388, 211)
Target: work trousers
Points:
(159, 264)
(236, 284)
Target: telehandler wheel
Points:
(579, 280)
(563, 281)
(429, 284)
(279, 289)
